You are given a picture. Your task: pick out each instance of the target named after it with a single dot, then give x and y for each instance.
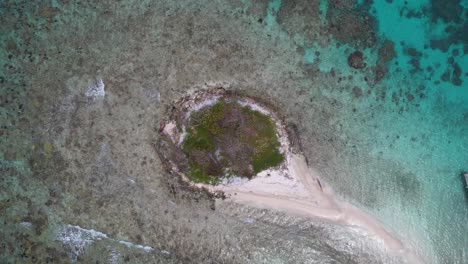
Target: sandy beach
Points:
(298, 191)
(293, 187)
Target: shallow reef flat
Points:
(376, 92)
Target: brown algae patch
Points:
(214, 135)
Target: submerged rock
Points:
(385, 54)
(352, 24)
(356, 60)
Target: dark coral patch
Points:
(301, 17)
(352, 24)
(385, 54)
(447, 10)
(357, 92)
(452, 74)
(356, 60)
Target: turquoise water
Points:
(84, 86)
(272, 10)
(424, 132)
(441, 120)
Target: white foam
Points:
(96, 90)
(131, 245)
(26, 225)
(247, 220)
(78, 239)
(114, 256)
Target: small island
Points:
(215, 135)
(229, 139)
(237, 148)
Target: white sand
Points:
(297, 191)
(293, 187)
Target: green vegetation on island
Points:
(229, 139)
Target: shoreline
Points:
(320, 203)
(292, 187)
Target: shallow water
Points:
(84, 87)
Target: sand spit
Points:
(319, 202)
(292, 187)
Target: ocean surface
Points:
(378, 91)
